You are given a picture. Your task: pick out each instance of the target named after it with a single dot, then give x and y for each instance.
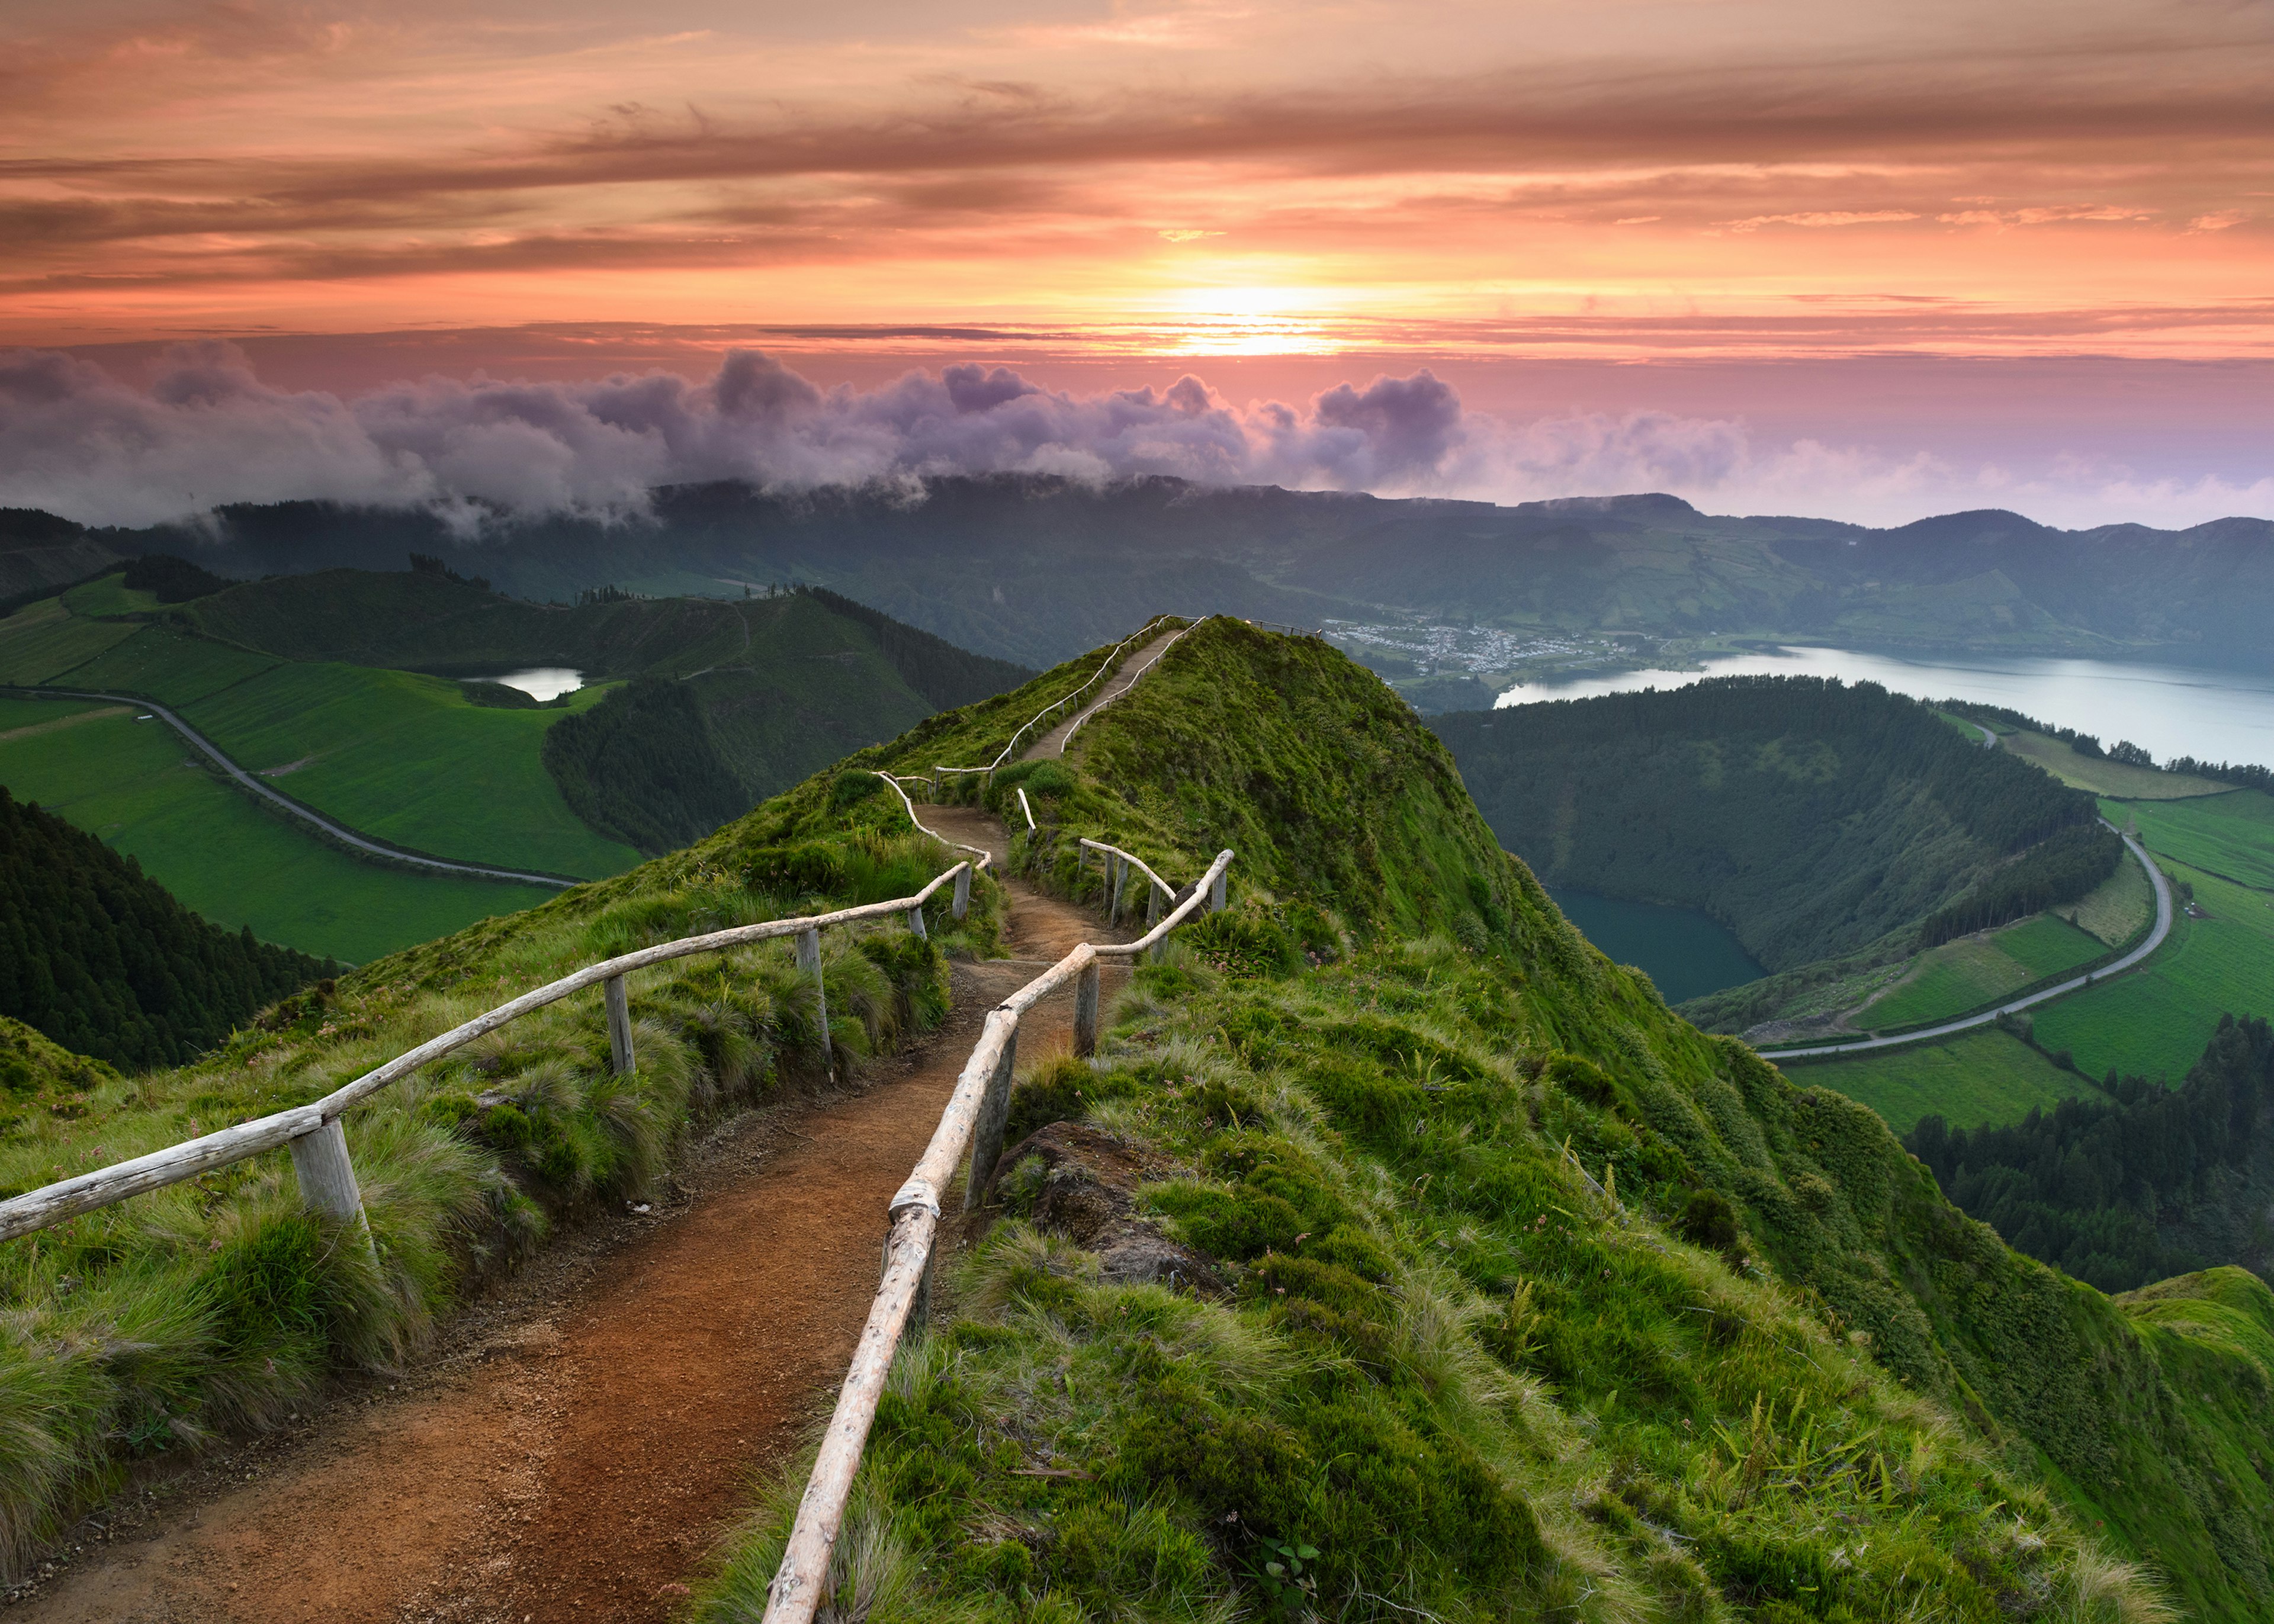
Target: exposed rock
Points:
(1088, 1194)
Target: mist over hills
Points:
(1033, 567)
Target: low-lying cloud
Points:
(206, 432)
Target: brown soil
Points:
(578, 1444)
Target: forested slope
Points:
(1811, 817)
(2138, 1183)
(105, 962)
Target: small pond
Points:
(1687, 953)
(542, 682)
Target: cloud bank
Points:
(207, 431)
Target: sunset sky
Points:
(1767, 214)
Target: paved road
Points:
(336, 830)
(2155, 940)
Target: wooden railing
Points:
(1112, 661)
(973, 1122)
(313, 1132)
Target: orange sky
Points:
(1611, 178)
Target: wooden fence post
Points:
(619, 1024)
(916, 924)
(327, 1180)
(987, 1132)
(1115, 870)
(1085, 1011)
(1152, 905)
(1217, 898)
(809, 959)
(963, 891)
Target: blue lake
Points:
(1686, 953)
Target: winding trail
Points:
(581, 1441)
(1052, 744)
(2155, 940)
(338, 831)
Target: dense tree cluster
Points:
(429, 564)
(171, 580)
(1812, 816)
(2061, 868)
(2139, 1184)
(106, 962)
(641, 766)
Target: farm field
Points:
(2155, 1021)
(168, 665)
(2103, 777)
(409, 759)
(2231, 834)
(134, 785)
(1963, 975)
(2119, 907)
(38, 641)
(110, 595)
(1984, 1076)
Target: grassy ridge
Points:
(409, 758)
(2100, 775)
(140, 788)
(147, 1326)
(1351, 1096)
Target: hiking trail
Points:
(581, 1438)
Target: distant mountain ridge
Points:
(1033, 567)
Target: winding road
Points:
(338, 831)
(2155, 940)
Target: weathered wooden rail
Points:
(313, 1132)
(1112, 662)
(972, 1123)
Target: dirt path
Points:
(1052, 744)
(578, 1445)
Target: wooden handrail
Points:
(302, 1126)
(1082, 720)
(974, 1122)
(1111, 659)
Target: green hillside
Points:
(1812, 818)
(1452, 1373)
(386, 743)
(229, 857)
(1534, 1299)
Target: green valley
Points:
(391, 744)
(1501, 1291)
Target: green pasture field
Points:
(1983, 1076)
(1965, 975)
(2119, 907)
(135, 784)
(408, 758)
(2104, 777)
(170, 666)
(108, 596)
(21, 713)
(2155, 1021)
(41, 640)
(2231, 834)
